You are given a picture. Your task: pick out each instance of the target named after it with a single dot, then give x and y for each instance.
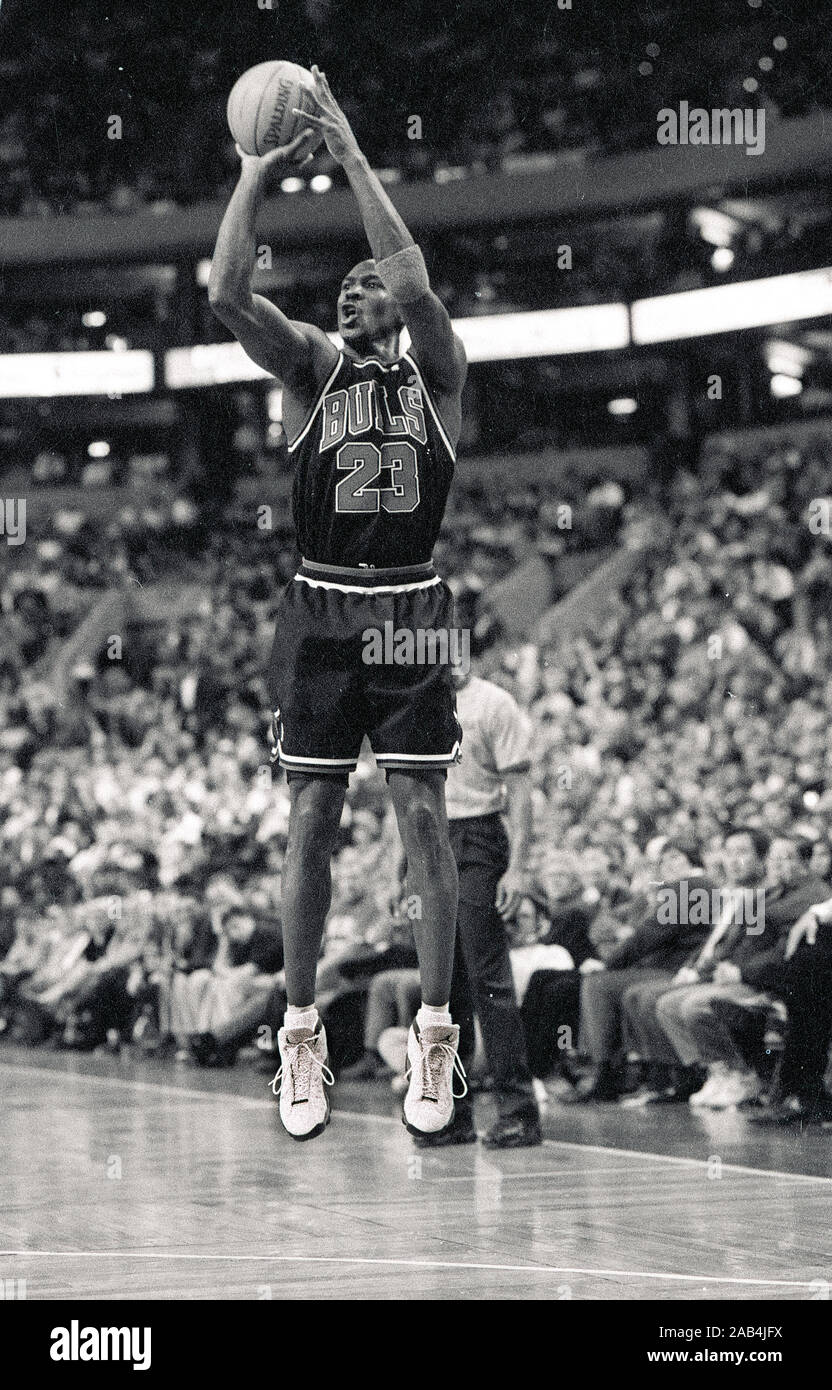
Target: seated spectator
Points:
(800, 1095)
(104, 1003)
(661, 942)
(45, 999)
(703, 1020)
(549, 1001)
(743, 864)
(393, 1000)
(248, 957)
(25, 958)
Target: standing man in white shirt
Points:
(490, 786)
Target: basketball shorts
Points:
(364, 652)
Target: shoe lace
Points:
(434, 1056)
(300, 1057)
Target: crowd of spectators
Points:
(143, 831)
(570, 83)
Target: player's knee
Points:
(314, 822)
(423, 825)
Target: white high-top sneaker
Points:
(431, 1062)
(300, 1082)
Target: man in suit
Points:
(806, 988)
(706, 1018)
(660, 944)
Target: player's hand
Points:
(331, 121)
(804, 929)
(510, 890)
(292, 156)
(686, 976)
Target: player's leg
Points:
(419, 802)
(316, 803)
(461, 1130)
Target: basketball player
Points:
(372, 434)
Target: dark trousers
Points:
(807, 990)
(482, 980)
(108, 1003)
(550, 1018)
(602, 995)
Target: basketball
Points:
(261, 106)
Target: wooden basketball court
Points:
(141, 1180)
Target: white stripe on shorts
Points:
(370, 588)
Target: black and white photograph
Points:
(416, 668)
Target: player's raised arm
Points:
(399, 261)
(300, 354)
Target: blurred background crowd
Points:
(581, 84)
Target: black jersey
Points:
(373, 465)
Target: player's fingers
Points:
(298, 142)
(321, 121)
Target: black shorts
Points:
(364, 652)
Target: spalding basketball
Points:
(261, 106)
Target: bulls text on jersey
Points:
(365, 405)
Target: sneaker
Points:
(541, 1095)
(432, 1060)
(300, 1082)
(605, 1086)
(514, 1132)
(645, 1095)
(717, 1072)
(459, 1131)
(207, 1052)
(735, 1087)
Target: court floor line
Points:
(738, 1168)
(365, 1117)
(201, 1257)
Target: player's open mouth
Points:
(349, 313)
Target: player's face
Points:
(366, 311)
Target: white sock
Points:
(300, 1016)
(432, 1016)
